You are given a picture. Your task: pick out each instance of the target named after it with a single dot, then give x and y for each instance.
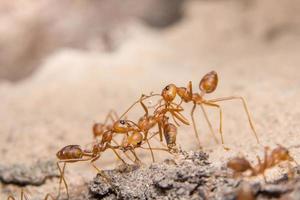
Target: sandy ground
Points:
(58, 104)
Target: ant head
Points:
(121, 126)
(209, 82)
(169, 92)
(281, 153)
(239, 164)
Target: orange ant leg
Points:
(158, 149)
(107, 179)
(152, 154)
(160, 132)
(174, 119)
(221, 121)
(115, 142)
(137, 160)
(144, 106)
(194, 126)
(144, 97)
(49, 196)
(180, 117)
(245, 107)
(62, 171)
(62, 179)
(209, 124)
(110, 116)
(152, 136)
(118, 156)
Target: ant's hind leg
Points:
(137, 160)
(221, 122)
(194, 126)
(49, 196)
(110, 115)
(152, 155)
(62, 179)
(209, 124)
(245, 108)
(100, 171)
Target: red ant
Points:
(74, 153)
(207, 85)
(239, 165)
(100, 128)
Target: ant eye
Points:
(122, 122)
(167, 87)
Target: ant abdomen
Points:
(170, 133)
(239, 164)
(70, 152)
(209, 82)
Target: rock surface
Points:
(189, 176)
(35, 174)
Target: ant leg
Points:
(245, 108)
(291, 172)
(115, 114)
(190, 89)
(136, 102)
(158, 149)
(23, 195)
(118, 156)
(152, 155)
(180, 117)
(209, 124)
(137, 160)
(194, 126)
(175, 120)
(98, 169)
(160, 132)
(144, 106)
(115, 142)
(62, 179)
(10, 197)
(109, 116)
(221, 121)
(49, 196)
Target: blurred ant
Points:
(24, 196)
(280, 154)
(100, 128)
(207, 85)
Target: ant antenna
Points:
(144, 97)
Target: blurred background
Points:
(64, 64)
